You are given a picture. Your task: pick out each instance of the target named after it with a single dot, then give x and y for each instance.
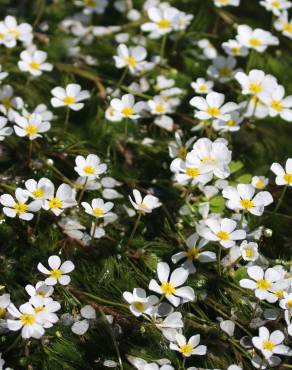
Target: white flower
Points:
(256, 82)
(234, 48)
(64, 198)
(164, 122)
(221, 3)
(4, 131)
(190, 347)
(228, 327)
(284, 25)
(269, 344)
(19, 207)
(191, 170)
(163, 21)
(249, 251)
(208, 49)
(230, 124)
(159, 106)
(222, 68)
(262, 282)
(70, 97)
(259, 182)
(3, 75)
(98, 207)
(73, 229)
(87, 314)
(243, 198)
(286, 301)
(202, 86)
(45, 309)
(177, 148)
(170, 285)
(40, 289)
(126, 107)
(222, 230)
(283, 176)
(39, 190)
(9, 104)
(170, 325)
(13, 32)
(276, 6)
(146, 204)
(27, 320)
(212, 107)
(89, 166)
(194, 253)
(132, 58)
(92, 6)
(58, 272)
(277, 103)
(214, 155)
(4, 303)
(256, 39)
(34, 62)
(31, 127)
(139, 302)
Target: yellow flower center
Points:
(289, 303)
(20, 208)
(279, 293)
(230, 122)
(90, 3)
(89, 170)
(277, 105)
(248, 252)
(31, 129)
(213, 111)
(160, 108)
(167, 288)
(255, 88)
(41, 293)
(260, 184)
(69, 100)
(203, 88)
(287, 27)
(264, 284)
(98, 212)
(182, 152)
(288, 178)
(186, 349)
(140, 306)
(276, 4)
(131, 61)
(2, 312)
(192, 172)
(255, 42)
(193, 253)
(225, 72)
(247, 203)
(236, 50)
(7, 103)
(128, 111)
(14, 32)
(39, 309)
(34, 65)
(269, 345)
(164, 23)
(223, 235)
(27, 319)
(55, 203)
(38, 193)
(56, 274)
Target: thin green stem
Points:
(82, 190)
(29, 152)
(121, 80)
(66, 122)
(163, 46)
(133, 231)
(281, 198)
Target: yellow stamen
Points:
(2, 312)
(35, 65)
(164, 23)
(231, 122)
(288, 177)
(247, 203)
(97, 212)
(20, 208)
(277, 105)
(27, 319)
(31, 129)
(38, 193)
(287, 27)
(192, 172)
(203, 88)
(248, 252)
(131, 61)
(268, 345)
(264, 284)
(167, 288)
(89, 170)
(128, 111)
(255, 88)
(140, 306)
(69, 100)
(260, 184)
(255, 42)
(160, 108)
(236, 50)
(39, 309)
(279, 293)
(55, 203)
(182, 152)
(289, 303)
(193, 253)
(213, 111)
(186, 349)
(223, 235)
(56, 274)
(225, 72)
